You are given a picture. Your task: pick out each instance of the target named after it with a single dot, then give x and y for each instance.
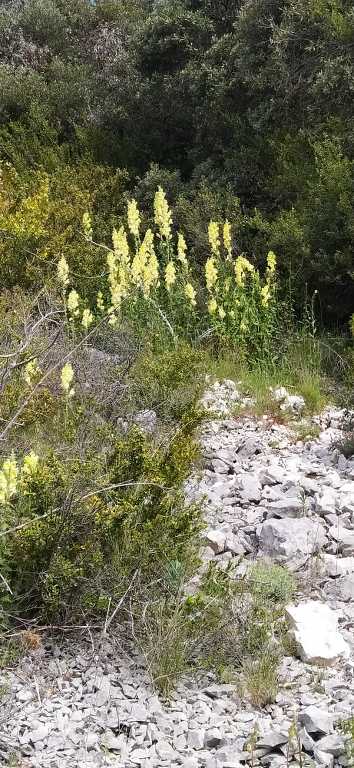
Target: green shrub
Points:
(272, 582)
(74, 545)
(168, 380)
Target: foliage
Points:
(154, 158)
(230, 130)
(41, 214)
(168, 381)
(271, 581)
(151, 285)
(236, 628)
(70, 545)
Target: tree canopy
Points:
(242, 107)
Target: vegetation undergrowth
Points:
(213, 236)
(99, 407)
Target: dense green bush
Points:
(89, 523)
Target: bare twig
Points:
(108, 621)
(46, 375)
(6, 584)
(163, 317)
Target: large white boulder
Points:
(315, 629)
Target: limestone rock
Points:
(344, 537)
(333, 743)
(315, 629)
(146, 420)
(216, 539)
(316, 720)
(291, 541)
(342, 588)
(250, 488)
(337, 566)
(286, 507)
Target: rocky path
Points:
(267, 495)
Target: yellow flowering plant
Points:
(66, 380)
(241, 303)
(149, 281)
(148, 274)
(31, 372)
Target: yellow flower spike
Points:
(221, 312)
(73, 303)
(153, 268)
(239, 272)
(170, 275)
(116, 296)
(265, 295)
(30, 464)
(182, 249)
(87, 319)
(242, 265)
(271, 262)
(66, 379)
(87, 226)
(120, 245)
(163, 217)
(100, 302)
(211, 273)
(190, 294)
(212, 306)
(227, 237)
(31, 371)
(113, 320)
(150, 272)
(8, 480)
(214, 237)
(134, 219)
(63, 271)
(144, 264)
(112, 263)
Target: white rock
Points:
(196, 738)
(272, 475)
(250, 488)
(216, 539)
(279, 393)
(294, 403)
(323, 758)
(337, 566)
(315, 629)
(272, 739)
(291, 540)
(146, 420)
(40, 733)
(342, 588)
(344, 537)
(325, 502)
(316, 720)
(286, 507)
(333, 743)
(164, 750)
(190, 762)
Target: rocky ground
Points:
(268, 494)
